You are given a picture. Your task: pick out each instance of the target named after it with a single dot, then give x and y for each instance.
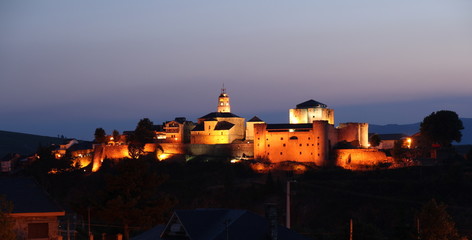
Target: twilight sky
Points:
(68, 67)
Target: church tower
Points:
(223, 102)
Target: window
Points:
(284, 145)
(38, 230)
(281, 138)
(268, 145)
(307, 144)
(300, 144)
(281, 153)
(300, 153)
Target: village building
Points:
(34, 213)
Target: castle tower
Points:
(223, 102)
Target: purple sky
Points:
(68, 67)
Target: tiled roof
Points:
(220, 224)
(311, 104)
(223, 125)
(219, 115)
(27, 196)
(255, 119)
(199, 127)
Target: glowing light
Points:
(164, 156)
(291, 130)
(408, 142)
(235, 160)
(111, 138)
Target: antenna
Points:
(223, 90)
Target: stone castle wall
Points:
(218, 150)
(358, 158)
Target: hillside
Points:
(410, 129)
(22, 143)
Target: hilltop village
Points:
(309, 139)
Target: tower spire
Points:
(223, 101)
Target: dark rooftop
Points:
(311, 104)
(223, 125)
(27, 196)
(219, 115)
(199, 127)
(255, 119)
(220, 224)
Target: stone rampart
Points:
(359, 158)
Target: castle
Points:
(309, 137)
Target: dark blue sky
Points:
(68, 67)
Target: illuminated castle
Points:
(309, 137)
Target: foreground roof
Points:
(221, 224)
(311, 104)
(28, 197)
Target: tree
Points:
(116, 135)
(144, 132)
(100, 135)
(375, 140)
(442, 127)
(435, 223)
(131, 197)
(6, 222)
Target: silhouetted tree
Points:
(435, 223)
(374, 140)
(100, 135)
(131, 195)
(6, 222)
(144, 131)
(143, 134)
(116, 135)
(442, 127)
(398, 151)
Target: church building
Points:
(220, 127)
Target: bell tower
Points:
(223, 101)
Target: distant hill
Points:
(410, 129)
(22, 143)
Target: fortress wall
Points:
(353, 158)
(220, 150)
(354, 132)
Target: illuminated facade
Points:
(223, 102)
(302, 142)
(309, 137)
(178, 130)
(220, 127)
(250, 127)
(310, 111)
